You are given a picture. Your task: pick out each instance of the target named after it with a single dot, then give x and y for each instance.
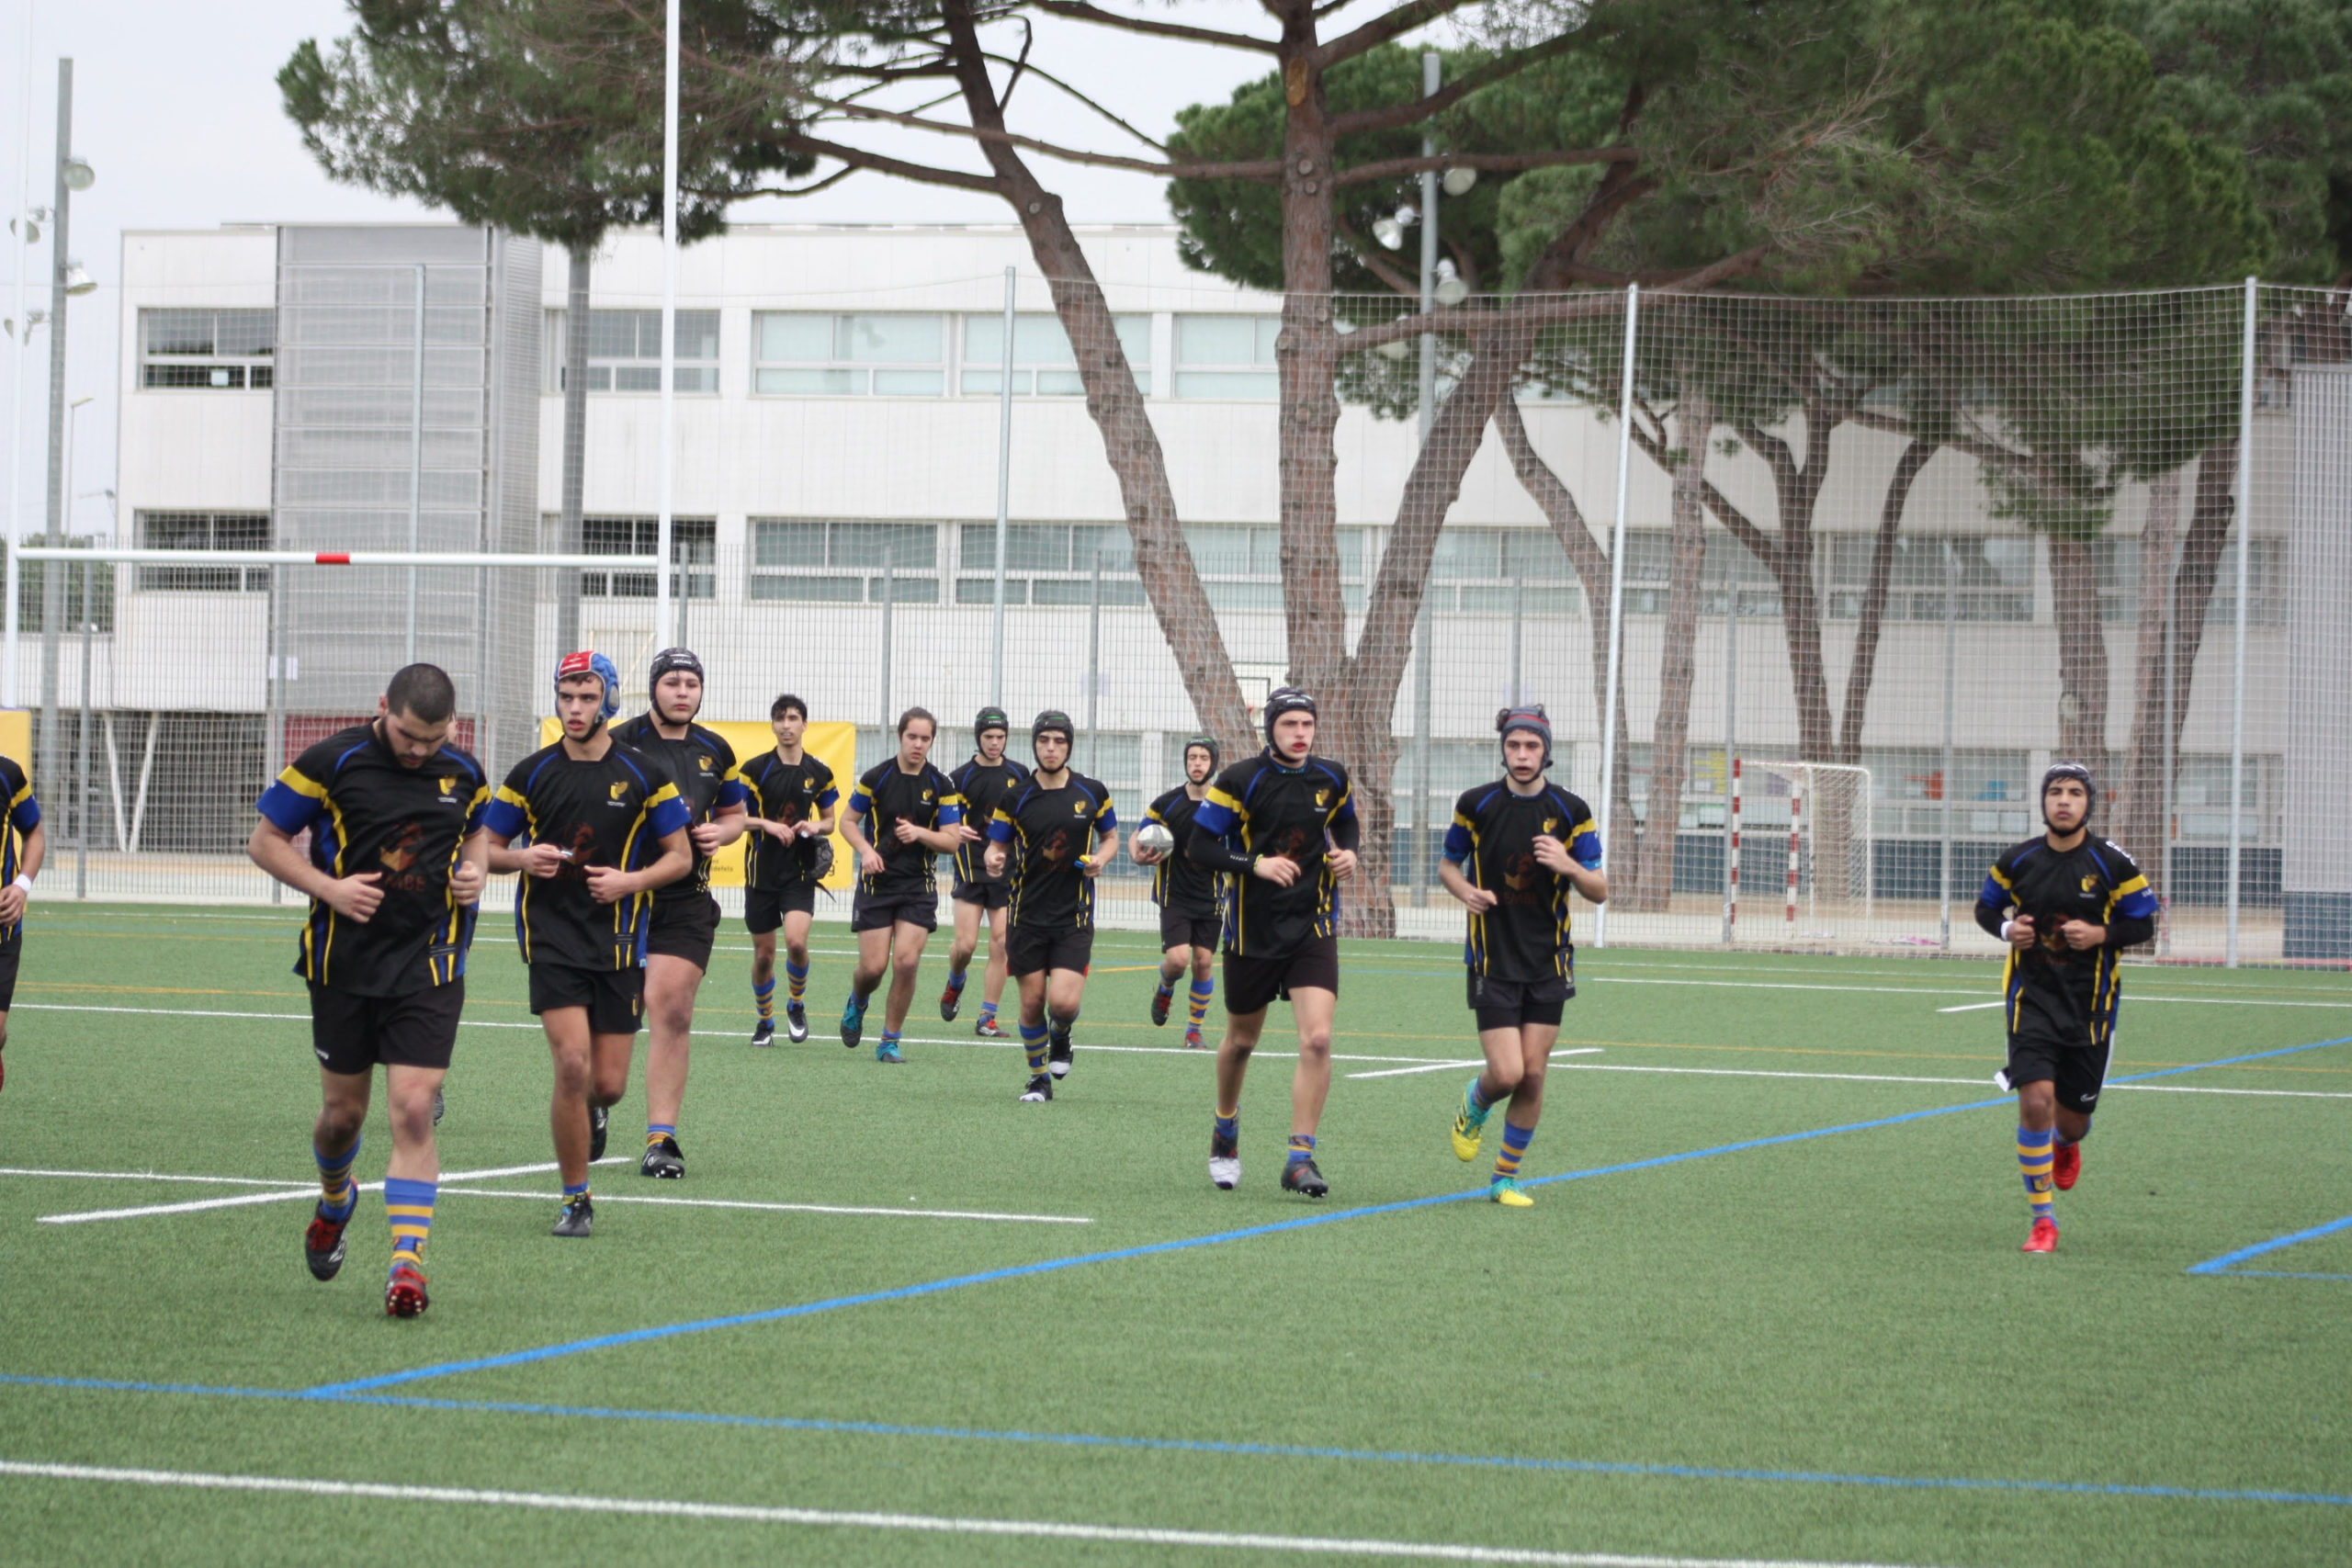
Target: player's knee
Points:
(411, 1118)
(1315, 1044)
(339, 1124)
(1506, 1080)
(798, 952)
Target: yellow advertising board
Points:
(831, 743)
(17, 742)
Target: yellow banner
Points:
(17, 742)
(831, 743)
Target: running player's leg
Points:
(1031, 989)
(796, 972)
(2037, 1131)
(567, 1103)
(334, 1143)
(763, 987)
(1533, 1055)
(907, 941)
(1065, 995)
(992, 983)
(412, 1181)
(1241, 1031)
(670, 983)
(966, 942)
(1197, 1000)
(873, 963)
(608, 1057)
(1313, 1009)
(1500, 1042)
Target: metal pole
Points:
(275, 744)
(2171, 750)
(1429, 81)
(662, 625)
(52, 584)
(1731, 729)
(1093, 656)
(1004, 499)
(1517, 637)
(1424, 659)
(82, 756)
(2237, 695)
(1951, 665)
(1617, 590)
(575, 441)
(22, 346)
(415, 459)
(889, 557)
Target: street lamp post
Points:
(66, 278)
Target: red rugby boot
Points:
(2065, 1166)
(2044, 1237)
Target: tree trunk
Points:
(2201, 560)
(1873, 620)
(1671, 735)
(2136, 810)
(2081, 653)
(575, 446)
(1589, 560)
(1171, 581)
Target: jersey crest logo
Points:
(1078, 811)
(1550, 824)
(620, 789)
(706, 763)
(447, 783)
(925, 797)
(1322, 799)
(2091, 883)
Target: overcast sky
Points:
(176, 105)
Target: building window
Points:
(2117, 563)
(89, 591)
(693, 544)
(1049, 563)
(1988, 791)
(1490, 571)
(1993, 576)
(850, 563)
(204, 531)
(211, 350)
(1226, 356)
(625, 351)
(799, 354)
(1043, 362)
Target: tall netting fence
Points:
(1872, 567)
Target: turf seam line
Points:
(1214, 1447)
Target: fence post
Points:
(1004, 499)
(1731, 721)
(1943, 860)
(1424, 658)
(2237, 695)
(273, 744)
(1617, 596)
(665, 525)
(82, 753)
(1093, 659)
(415, 461)
(889, 558)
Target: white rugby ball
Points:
(1155, 836)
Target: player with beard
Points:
(1281, 827)
(1516, 849)
(1055, 834)
(981, 784)
(395, 866)
(604, 828)
(1186, 892)
(901, 818)
(792, 801)
(2067, 904)
(686, 917)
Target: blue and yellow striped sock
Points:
(409, 1205)
(1229, 1126)
(988, 1012)
(1199, 1000)
(338, 1195)
(657, 1131)
(796, 975)
(1033, 1041)
(1302, 1148)
(1515, 1141)
(956, 981)
(763, 996)
(2033, 1161)
(574, 1189)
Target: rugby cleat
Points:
(576, 1217)
(951, 1001)
(1161, 1001)
(888, 1050)
(989, 1029)
(795, 1022)
(1224, 1161)
(404, 1291)
(1192, 1041)
(1469, 1127)
(853, 1020)
(2065, 1166)
(1040, 1090)
(1057, 1057)
(764, 1032)
(2044, 1237)
(662, 1159)
(599, 1124)
(1504, 1190)
(1301, 1177)
(322, 1245)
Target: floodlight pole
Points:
(2245, 532)
(52, 584)
(1951, 661)
(1617, 594)
(1004, 499)
(662, 608)
(416, 458)
(1425, 632)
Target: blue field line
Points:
(2277, 1274)
(1215, 1447)
(2224, 1264)
(1054, 1265)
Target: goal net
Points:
(1805, 827)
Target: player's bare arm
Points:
(471, 873)
(31, 851)
(355, 899)
(942, 840)
(869, 858)
(2082, 936)
(1104, 853)
(728, 825)
(610, 884)
(542, 861)
(1552, 854)
(994, 860)
(2021, 932)
(1475, 898)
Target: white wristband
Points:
(26, 883)
(2005, 928)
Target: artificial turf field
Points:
(1769, 1306)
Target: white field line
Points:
(1437, 1067)
(307, 1190)
(1985, 1082)
(1980, 1006)
(1926, 991)
(927, 1524)
(604, 1197)
(152, 1176)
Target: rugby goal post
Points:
(1830, 869)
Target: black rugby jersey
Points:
(885, 796)
(23, 816)
(1259, 808)
(614, 811)
(1178, 885)
(1046, 831)
(2053, 993)
(981, 789)
(367, 813)
(1525, 937)
(790, 792)
(703, 767)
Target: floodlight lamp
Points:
(1387, 231)
(1459, 181)
(78, 174)
(1451, 292)
(1406, 217)
(1394, 348)
(78, 279)
(26, 227)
